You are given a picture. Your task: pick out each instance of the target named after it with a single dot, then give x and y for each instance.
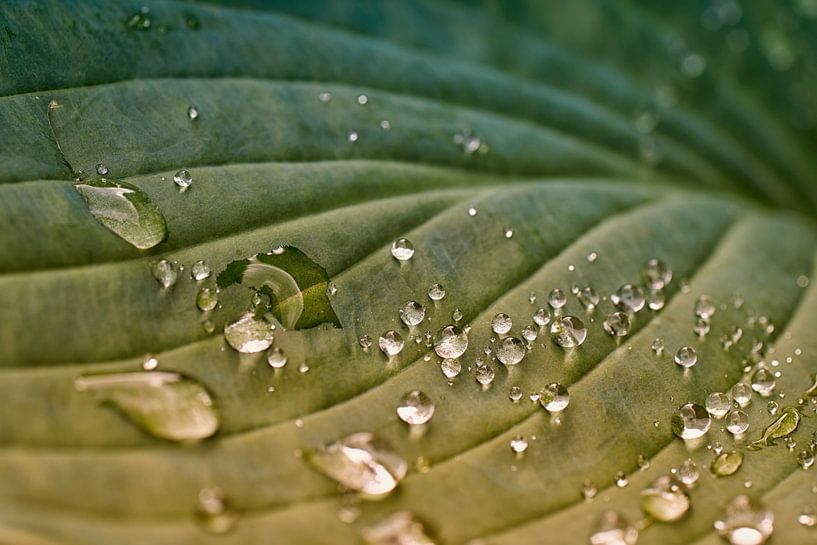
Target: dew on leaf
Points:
(686, 356)
(484, 374)
(688, 472)
(690, 421)
(276, 358)
(207, 299)
(391, 343)
(436, 292)
(617, 324)
(737, 422)
(704, 307)
(613, 529)
(501, 324)
(450, 367)
(183, 179)
(763, 382)
(199, 270)
(742, 394)
(657, 346)
(718, 404)
(655, 274)
(412, 313)
(629, 298)
(402, 249)
(726, 463)
(541, 317)
(164, 272)
(655, 299)
(415, 408)
(745, 522)
(568, 331)
(192, 113)
(665, 500)
(249, 334)
(554, 397)
(510, 351)
(588, 298)
(397, 529)
(213, 512)
(450, 342)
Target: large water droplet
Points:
(690, 421)
(557, 298)
(183, 179)
(746, 522)
(402, 249)
(126, 210)
(629, 298)
(361, 462)
(450, 367)
(613, 529)
(655, 274)
(726, 463)
(436, 292)
(249, 334)
(213, 512)
(501, 324)
(412, 313)
(554, 397)
(718, 404)
(484, 374)
(686, 356)
(665, 499)
(207, 299)
(541, 317)
(737, 422)
(617, 324)
(568, 331)
(450, 342)
(510, 351)
(391, 343)
(165, 405)
(415, 408)
(199, 270)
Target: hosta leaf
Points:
(519, 146)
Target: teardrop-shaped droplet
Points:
(484, 374)
(126, 210)
(391, 343)
(276, 358)
(249, 334)
(165, 405)
(450, 367)
(362, 463)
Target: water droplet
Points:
(501, 324)
(726, 463)
(362, 100)
(529, 333)
(415, 408)
(183, 179)
(508, 232)
(690, 421)
(557, 298)
(324, 96)
(510, 351)
(402, 249)
(613, 529)
(617, 324)
(554, 397)
(150, 363)
(391, 343)
(665, 499)
(192, 113)
(249, 334)
(519, 444)
(126, 210)
(365, 342)
(657, 346)
(139, 20)
(592, 257)
(276, 358)
(746, 522)
(207, 299)
(655, 274)
(450, 367)
(742, 394)
(568, 331)
(412, 313)
(701, 328)
(805, 458)
(385, 124)
(165, 405)
(515, 394)
(436, 292)
(450, 342)
(213, 513)
(199, 270)
(397, 529)
(763, 382)
(352, 136)
(629, 298)
(807, 517)
(589, 491)
(102, 170)
(705, 307)
(484, 374)
(737, 422)
(772, 407)
(541, 317)
(688, 472)
(718, 404)
(208, 326)
(472, 212)
(331, 288)
(456, 315)
(361, 462)
(164, 272)
(588, 298)
(656, 299)
(621, 479)
(686, 356)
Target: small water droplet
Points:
(617, 324)
(436, 292)
(150, 363)
(207, 299)
(385, 124)
(249, 334)
(199, 270)
(324, 96)
(208, 326)
(657, 346)
(705, 307)
(529, 333)
(515, 394)
(763, 382)
(362, 100)
(557, 298)
(588, 298)
(501, 324)
(718, 404)
(456, 315)
(589, 491)
(541, 317)
(397, 529)
(742, 394)
(276, 358)
(484, 374)
(568, 331)
(805, 458)
(352, 136)
(737, 422)
(655, 274)
(415, 408)
(665, 499)
(361, 462)
(450, 342)
(412, 313)
(807, 517)
(746, 522)
(519, 444)
(510, 351)
(192, 113)
(629, 298)
(365, 342)
(450, 367)
(688, 472)
(613, 529)
(391, 343)
(213, 513)
(554, 397)
(508, 232)
(690, 421)
(686, 356)
(164, 272)
(472, 212)
(656, 299)
(183, 179)
(621, 479)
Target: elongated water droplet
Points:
(450, 342)
(207, 299)
(165, 405)
(126, 210)
(613, 529)
(183, 179)
(402, 249)
(617, 324)
(568, 331)
(690, 421)
(655, 274)
(718, 404)
(249, 334)
(629, 298)
(412, 313)
(361, 462)
(164, 272)
(450, 367)
(501, 324)
(415, 408)
(391, 343)
(436, 292)
(686, 356)
(213, 512)
(746, 522)
(397, 529)
(726, 463)
(554, 397)
(510, 351)
(665, 499)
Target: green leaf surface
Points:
(508, 141)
